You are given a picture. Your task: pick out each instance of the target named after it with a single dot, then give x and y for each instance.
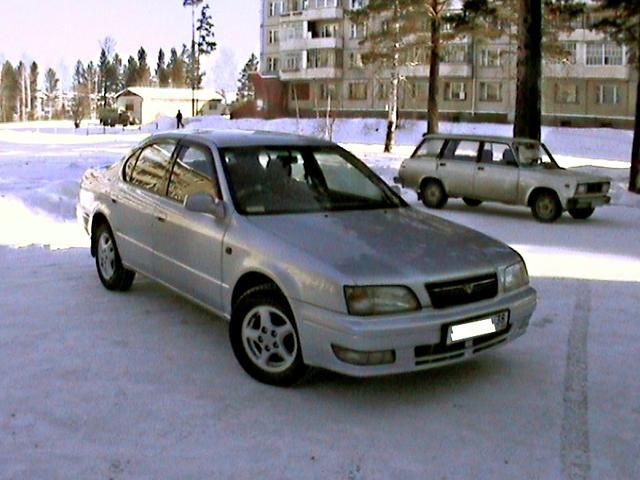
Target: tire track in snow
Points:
(574, 434)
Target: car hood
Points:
(400, 244)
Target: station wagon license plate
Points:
(477, 328)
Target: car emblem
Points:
(468, 287)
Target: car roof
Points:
(476, 137)
(243, 138)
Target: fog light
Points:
(355, 357)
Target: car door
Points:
(457, 166)
(188, 245)
(133, 204)
(497, 174)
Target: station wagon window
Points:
(465, 150)
(429, 147)
(193, 172)
(498, 154)
(152, 167)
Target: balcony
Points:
(310, 43)
(614, 72)
(328, 13)
(311, 73)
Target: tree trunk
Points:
(434, 74)
(529, 70)
(634, 172)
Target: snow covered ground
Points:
(144, 385)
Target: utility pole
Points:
(193, 4)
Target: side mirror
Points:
(202, 202)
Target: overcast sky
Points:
(58, 33)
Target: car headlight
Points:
(380, 300)
(581, 189)
(515, 276)
(605, 187)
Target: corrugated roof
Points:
(157, 93)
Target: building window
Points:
(357, 4)
(608, 94)
(275, 8)
(320, 58)
(490, 57)
(355, 60)
(272, 37)
(272, 64)
(604, 54)
(358, 31)
(455, 91)
(454, 54)
(292, 62)
(292, 30)
(415, 89)
(490, 91)
(326, 91)
(357, 91)
(566, 93)
(383, 89)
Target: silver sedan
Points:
(309, 255)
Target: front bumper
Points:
(417, 339)
(588, 201)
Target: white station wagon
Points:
(514, 171)
(309, 255)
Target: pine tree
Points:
(33, 89)
(162, 74)
(8, 92)
(176, 69)
(115, 74)
(130, 74)
(92, 86)
(51, 87)
(81, 102)
(246, 90)
(143, 75)
(621, 20)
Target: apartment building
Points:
(315, 51)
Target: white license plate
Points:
(476, 328)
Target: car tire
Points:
(433, 194)
(472, 202)
(264, 337)
(581, 213)
(546, 207)
(112, 274)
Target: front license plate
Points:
(476, 328)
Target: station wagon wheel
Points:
(546, 207)
(111, 272)
(265, 339)
(581, 213)
(472, 202)
(433, 194)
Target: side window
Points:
(430, 147)
(465, 150)
(498, 154)
(193, 172)
(129, 164)
(152, 168)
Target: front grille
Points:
(461, 292)
(594, 187)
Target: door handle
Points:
(442, 164)
(161, 218)
(113, 200)
(480, 168)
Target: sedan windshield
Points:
(275, 180)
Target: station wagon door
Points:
(497, 174)
(457, 166)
